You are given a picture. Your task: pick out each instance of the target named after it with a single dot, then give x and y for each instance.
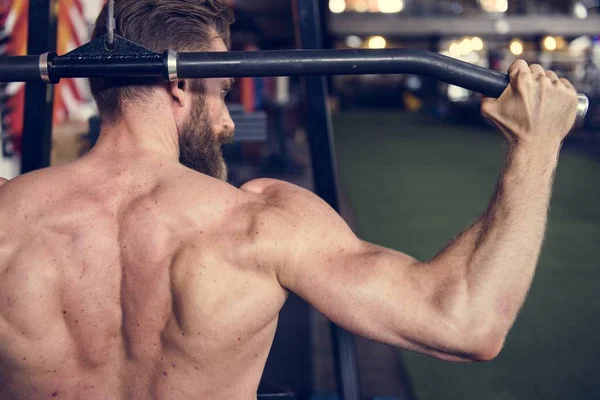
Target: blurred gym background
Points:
(417, 164)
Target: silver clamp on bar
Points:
(583, 105)
(44, 69)
(170, 64)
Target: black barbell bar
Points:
(171, 65)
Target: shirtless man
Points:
(136, 272)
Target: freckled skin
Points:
(161, 291)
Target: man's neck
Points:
(138, 132)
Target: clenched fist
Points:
(537, 107)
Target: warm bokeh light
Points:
(550, 43)
(455, 49)
(456, 93)
(477, 43)
(377, 42)
(390, 6)
(473, 58)
(516, 47)
(580, 45)
(371, 6)
(494, 5)
(580, 10)
(361, 6)
(354, 42)
(337, 6)
(502, 5)
(466, 46)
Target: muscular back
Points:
(136, 280)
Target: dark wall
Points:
(289, 366)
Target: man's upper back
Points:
(146, 279)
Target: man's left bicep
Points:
(358, 286)
(379, 294)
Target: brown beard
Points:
(200, 145)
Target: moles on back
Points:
(129, 284)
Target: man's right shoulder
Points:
(301, 223)
(275, 203)
(286, 195)
(279, 193)
(262, 185)
(293, 206)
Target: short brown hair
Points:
(158, 25)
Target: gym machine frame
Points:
(116, 57)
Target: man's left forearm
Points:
(489, 268)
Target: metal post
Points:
(39, 97)
(320, 136)
(110, 24)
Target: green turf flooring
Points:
(414, 182)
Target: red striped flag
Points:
(72, 98)
(15, 25)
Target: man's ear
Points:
(180, 91)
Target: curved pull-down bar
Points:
(89, 62)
